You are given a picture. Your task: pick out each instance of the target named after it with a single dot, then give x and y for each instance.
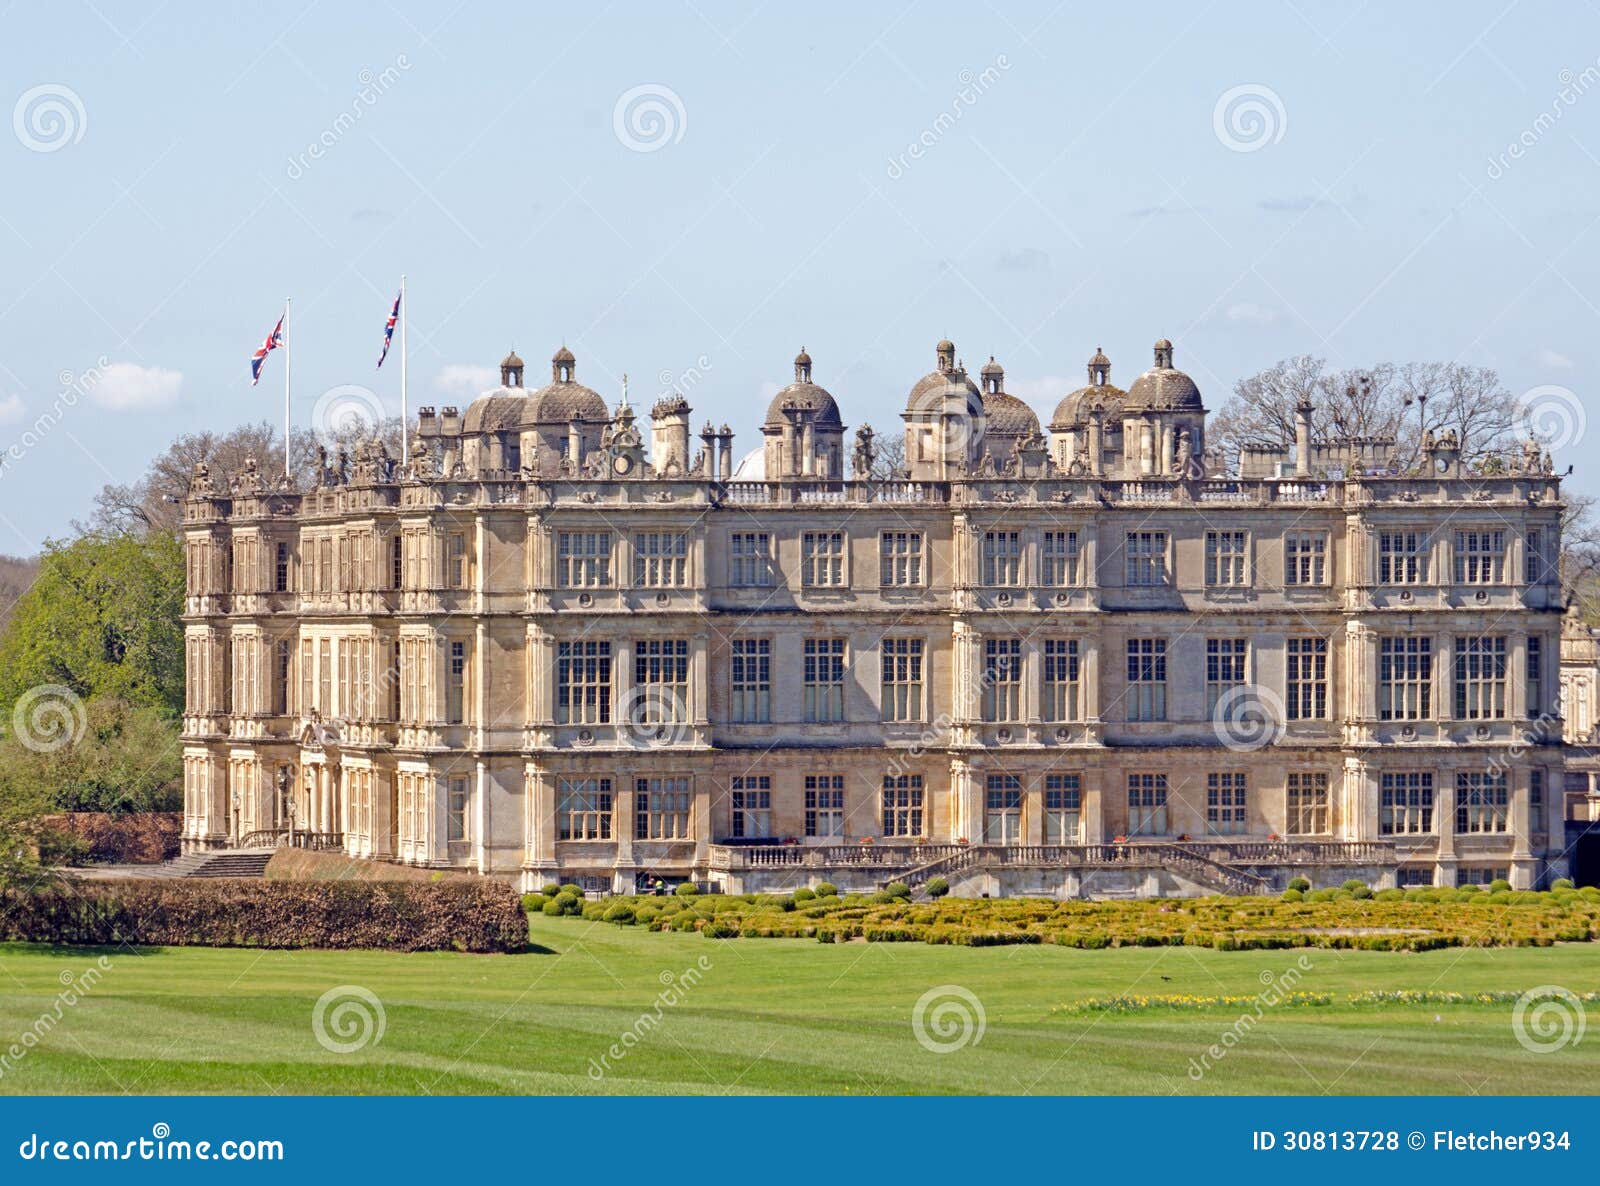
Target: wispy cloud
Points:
(11, 409)
(1547, 357)
(465, 379)
(1024, 259)
(129, 387)
(1297, 204)
(1164, 208)
(1252, 314)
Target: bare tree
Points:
(1398, 400)
(889, 460)
(153, 502)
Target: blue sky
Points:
(1071, 188)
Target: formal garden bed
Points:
(1351, 917)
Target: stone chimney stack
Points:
(669, 435)
(1302, 439)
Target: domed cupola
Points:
(1007, 419)
(564, 399)
(1071, 422)
(1163, 388)
(1163, 422)
(803, 430)
(945, 420)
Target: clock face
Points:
(1441, 465)
(622, 465)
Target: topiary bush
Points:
(897, 889)
(621, 913)
(804, 895)
(1562, 883)
(1299, 883)
(687, 889)
(1361, 892)
(1354, 884)
(826, 889)
(937, 887)
(1293, 895)
(1499, 886)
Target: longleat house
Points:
(1076, 658)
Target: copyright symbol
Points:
(1416, 1140)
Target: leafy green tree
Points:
(101, 619)
(106, 755)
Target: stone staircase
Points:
(1196, 866)
(225, 862)
(1201, 869)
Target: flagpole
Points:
(287, 340)
(405, 414)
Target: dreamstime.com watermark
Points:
(1573, 87)
(374, 85)
(348, 1018)
(948, 1018)
(49, 117)
(49, 717)
(649, 117)
(973, 86)
(1278, 985)
(74, 987)
(1249, 117)
(676, 987)
(158, 1146)
(74, 386)
(1548, 1018)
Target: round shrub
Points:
(719, 929)
(1354, 884)
(1467, 889)
(687, 889)
(1361, 892)
(882, 898)
(550, 890)
(593, 911)
(553, 908)
(1293, 895)
(1562, 883)
(621, 914)
(1299, 883)
(937, 887)
(1499, 897)
(804, 895)
(569, 887)
(1499, 886)
(1418, 894)
(532, 902)
(897, 889)
(826, 889)
(1390, 895)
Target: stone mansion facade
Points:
(1065, 658)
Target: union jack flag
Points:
(388, 330)
(274, 340)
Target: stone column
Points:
(1092, 806)
(538, 818)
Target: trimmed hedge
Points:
(1328, 918)
(455, 915)
(100, 838)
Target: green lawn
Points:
(773, 1015)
